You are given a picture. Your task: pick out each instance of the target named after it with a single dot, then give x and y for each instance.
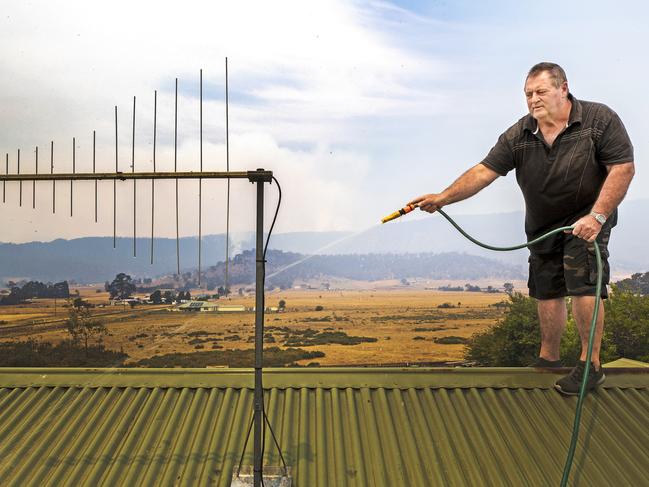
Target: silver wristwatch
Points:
(601, 219)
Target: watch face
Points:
(601, 219)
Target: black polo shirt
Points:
(560, 183)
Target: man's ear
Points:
(564, 89)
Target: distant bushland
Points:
(35, 289)
(273, 357)
(32, 353)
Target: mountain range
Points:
(94, 259)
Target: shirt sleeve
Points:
(500, 157)
(614, 145)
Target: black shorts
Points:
(571, 271)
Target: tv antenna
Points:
(258, 177)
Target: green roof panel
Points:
(337, 427)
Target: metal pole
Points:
(252, 176)
(115, 186)
(134, 187)
(20, 197)
(200, 182)
(259, 337)
(94, 167)
(227, 168)
(175, 169)
(34, 183)
(53, 181)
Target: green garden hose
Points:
(591, 337)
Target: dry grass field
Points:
(395, 326)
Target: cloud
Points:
(301, 76)
(357, 106)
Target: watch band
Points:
(601, 219)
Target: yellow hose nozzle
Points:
(397, 214)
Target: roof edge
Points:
(321, 377)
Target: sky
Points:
(356, 106)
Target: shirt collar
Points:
(574, 117)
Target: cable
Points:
(591, 337)
(263, 404)
(279, 202)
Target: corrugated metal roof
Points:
(337, 427)
(626, 362)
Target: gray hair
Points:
(555, 71)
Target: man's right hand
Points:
(428, 202)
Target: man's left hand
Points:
(587, 228)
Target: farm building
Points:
(232, 308)
(203, 306)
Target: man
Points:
(574, 163)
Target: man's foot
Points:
(540, 362)
(571, 383)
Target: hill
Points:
(94, 259)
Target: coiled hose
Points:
(591, 336)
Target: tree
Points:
(169, 297)
(14, 297)
(281, 305)
(626, 332)
(79, 302)
(81, 325)
(156, 297)
(60, 290)
(638, 283)
(508, 287)
(513, 341)
(122, 287)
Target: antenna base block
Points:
(260, 175)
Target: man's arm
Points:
(610, 196)
(468, 184)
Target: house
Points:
(202, 306)
(124, 302)
(232, 308)
(337, 427)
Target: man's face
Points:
(544, 99)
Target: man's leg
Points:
(582, 309)
(552, 317)
(581, 277)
